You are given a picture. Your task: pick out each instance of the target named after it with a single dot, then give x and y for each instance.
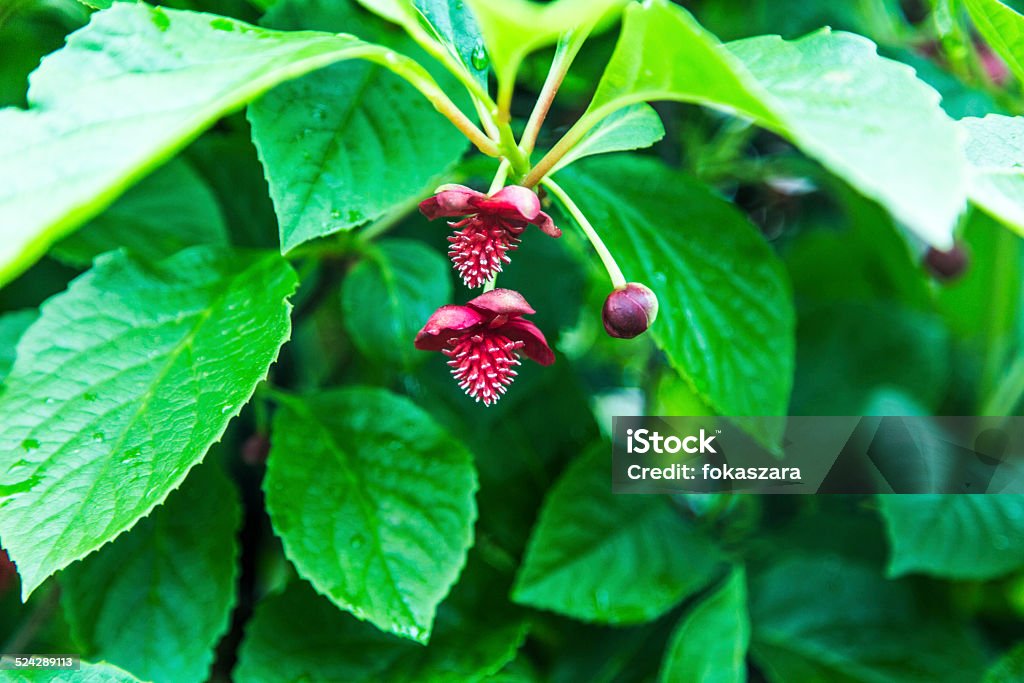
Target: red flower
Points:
(490, 229)
(483, 340)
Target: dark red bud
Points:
(947, 265)
(629, 311)
(255, 450)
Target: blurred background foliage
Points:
(875, 328)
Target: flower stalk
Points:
(614, 272)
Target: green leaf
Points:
(1002, 28)
(301, 636)
(158, 599)
(347, 144)
(617, 559)
(957, 537)
(832, 620)
(455, 28)
(1009, 669)
(373, 502)
(126, 93)
(513, 29)
(710, 643)
(995, 150)
(165, 213)
(725, 318)
(866, 118)
(633, 127)
(390, 294)
(121, 386)
(88, 673)
(991, 332)
(12, 326)
(906, 351)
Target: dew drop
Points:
(98, 437)
(335, 213)
(222, 24)
(30, 444)
(357, 541)
(89, 396)
(479, 57)
(354, 216)
(226, 409)
(50, 401)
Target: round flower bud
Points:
(946, 265)
(629, 311)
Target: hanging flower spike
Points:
(483, 339)
(490, 226)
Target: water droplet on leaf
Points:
(479, 57)
(30, 444)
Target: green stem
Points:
(614, 272)
(569, 45)
(413, 72)
(563, 146)
(499, 178)
(1007, 396)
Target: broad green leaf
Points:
(349, 143)
(825, 619)
(88, 673)
(165, 213)
(882, 20)
(633, 127)
(726, 317)
(513, 29)
(617, 559)
(906, 350)
(374, 503)
(995, 150)
(128, 92)
(1002, 28)
(157, 600)
(866, 118)
(1009, 669)
(954, 536)
(710, 643)
(389, 295)
(121, 386)
(12, 326)
(299, 635)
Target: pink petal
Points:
(514, 202)
(501, 302)
(536, 346)
(450, 201)
(445, 323)
(547, 226)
